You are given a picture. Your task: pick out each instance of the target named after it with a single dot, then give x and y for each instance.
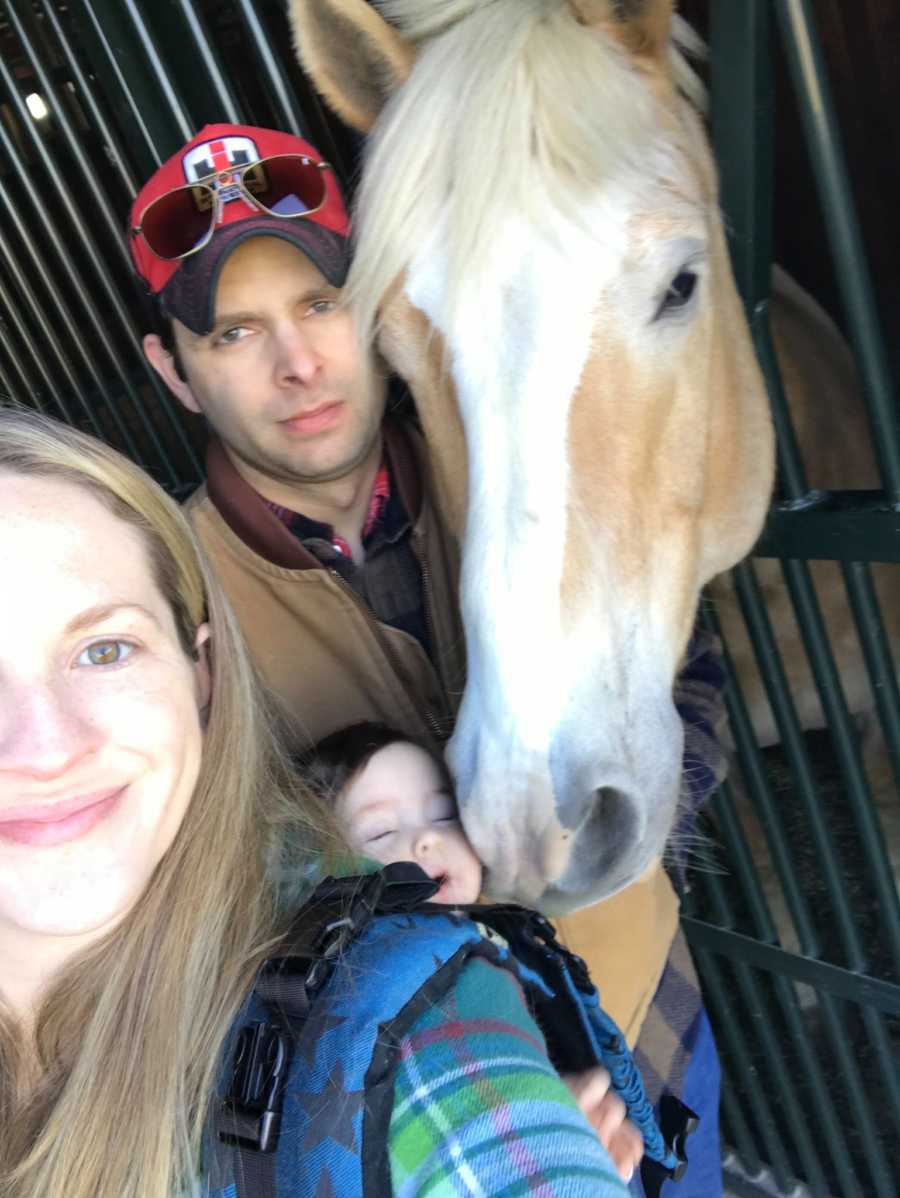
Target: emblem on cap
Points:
(219, 157)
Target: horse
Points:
(541, 255)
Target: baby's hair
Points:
(341, 756)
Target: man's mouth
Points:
(315, 420)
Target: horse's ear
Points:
(643, 25)
(353, 56)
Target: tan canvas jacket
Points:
(317, 645)
(331, 663)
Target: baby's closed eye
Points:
(373, 837)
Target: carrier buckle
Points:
(676, 1122)
(251, 1112)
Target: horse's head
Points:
(538, 228)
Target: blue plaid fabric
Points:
(473, 1107)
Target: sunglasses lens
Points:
(286, 185)
(174, 223)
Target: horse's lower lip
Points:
(46, 832)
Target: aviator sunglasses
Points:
(182, 221)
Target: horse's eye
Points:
(679, 294)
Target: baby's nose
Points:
(428, 842)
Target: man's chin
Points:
(330, 465)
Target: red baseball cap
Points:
(187, 286)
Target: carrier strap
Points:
(249, 1118)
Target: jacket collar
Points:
(259, 528)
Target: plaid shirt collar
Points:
(306, 529)
(253, 522)
(389, 578)
(389, 582)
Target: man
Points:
(318, 518)
(316, 512)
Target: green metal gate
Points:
(810, 1040)
(95, 93)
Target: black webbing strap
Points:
(249, 1118)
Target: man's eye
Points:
(320, 307)
(230, 336)
(105, 653)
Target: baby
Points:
(394, 802)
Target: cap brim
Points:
(190, 295)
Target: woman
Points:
(154, 845)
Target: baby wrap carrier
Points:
(307, 1093)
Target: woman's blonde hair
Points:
(129, 1036)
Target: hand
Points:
(605, 1111)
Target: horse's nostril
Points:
(613, 805)
(608, 796)
(612, 826)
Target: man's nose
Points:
(296, 358)
(43, 733)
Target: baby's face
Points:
(398, 808)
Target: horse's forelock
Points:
(492, 122)
(417, 21)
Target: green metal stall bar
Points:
(810, 1039)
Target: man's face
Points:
(280, 378)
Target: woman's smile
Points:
(49, 824)
(100, 727)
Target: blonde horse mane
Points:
(496, 121)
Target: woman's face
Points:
(100, 725)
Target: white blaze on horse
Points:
(540, 249)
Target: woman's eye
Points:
(378, 836)
(104, 653)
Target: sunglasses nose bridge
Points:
(233, 177)
(238, 176)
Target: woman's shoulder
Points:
(475, 1091)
